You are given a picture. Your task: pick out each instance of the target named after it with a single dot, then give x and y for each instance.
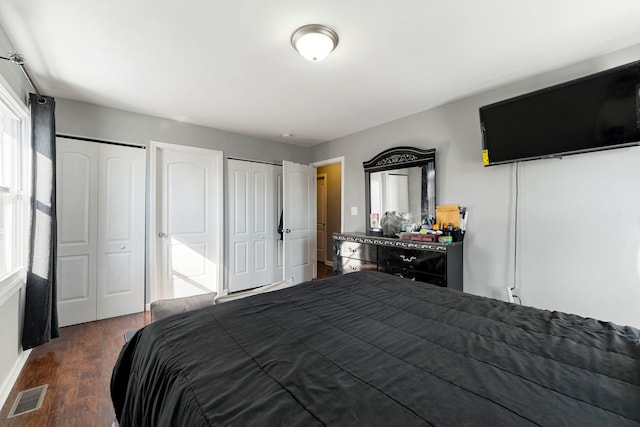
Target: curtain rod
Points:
(18, 59)
(100, 141)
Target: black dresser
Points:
(436, 263)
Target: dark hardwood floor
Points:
(77, 367)
(324, 270)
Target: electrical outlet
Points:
(509, 294)
(354, 210)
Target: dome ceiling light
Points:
(314, 42)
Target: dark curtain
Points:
(40, 313)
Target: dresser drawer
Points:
(361, 251)
(431, 262)
(349, 265)
(420, 276)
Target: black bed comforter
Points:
(370, 349)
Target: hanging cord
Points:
(18, 59)
(515, 232)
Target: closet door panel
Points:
(252, 225)
(260, 260)
(240, 261)
(262, 219)
(76, 294)
(74, 182)
(261, 194)
(238, 184)
(118, 198)
(73, 271)
(119, 275)
(278, 245)
(76, 185)
(121, 195)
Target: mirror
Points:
(402, 181)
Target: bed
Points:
(372, 349)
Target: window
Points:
(14, 187)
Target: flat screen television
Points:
(597, 112)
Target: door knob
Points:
(162, 235)
(287, 231)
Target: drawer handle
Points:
(405, 259)
(353, 251)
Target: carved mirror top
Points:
(399, 157)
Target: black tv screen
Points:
(596, 112)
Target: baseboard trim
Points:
(8, 384)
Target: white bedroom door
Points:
(189, 229)
(121, 251)
(299, 222)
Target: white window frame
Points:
(10, 102)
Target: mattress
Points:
(372, 349)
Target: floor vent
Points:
(28, 400)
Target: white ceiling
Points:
(229, 64)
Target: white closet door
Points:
(77, 204)
(121, 202)
(252, 225)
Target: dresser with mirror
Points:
(400, 182)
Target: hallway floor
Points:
(324, 270)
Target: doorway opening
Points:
(330, 206)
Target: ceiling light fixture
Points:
(314, 42)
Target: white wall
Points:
(579, 217)
(12, 357)
(10, 72)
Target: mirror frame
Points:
(397, 158)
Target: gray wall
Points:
(82, 119)
(579, 217)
